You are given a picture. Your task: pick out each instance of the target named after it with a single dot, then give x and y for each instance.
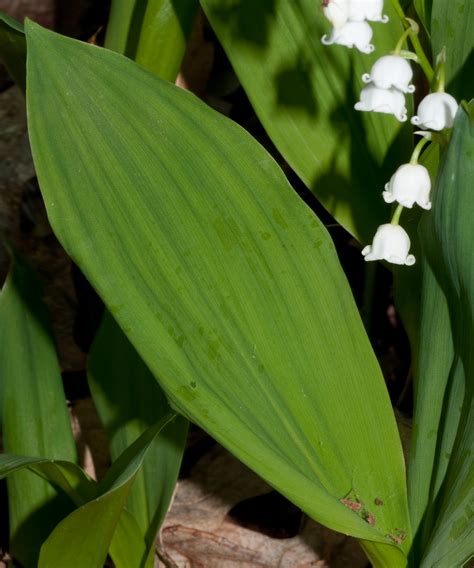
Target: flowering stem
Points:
(415, 40)
(396, 216)
(401, 41)
(417, 151)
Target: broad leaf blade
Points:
(129, 400)
(225, 282)
(35, 417)
(13, 49)
(304, 94)
(450, 227)
(83, 537)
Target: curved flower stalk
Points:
(410, 184)
(391, 243)
(436, 112)
(351, 34)
(387, 101)
(391, 71)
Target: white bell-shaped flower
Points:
(337, 12)
(352, 34)
(436, 112)
(388, 101)
(370, 10)
(410, 184)
(391, 71)
(391, 243)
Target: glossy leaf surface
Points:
(225, 282)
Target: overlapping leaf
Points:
(225, 282)
(450, 229)
(35, 417)
(304, 94)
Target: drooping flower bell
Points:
(410, 184)
(370, 10)
(391, 243)
(352, 34)
(336, 11)
(436, 112)
(387, 101)
(391, 71)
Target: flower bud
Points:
(436, 112)
(370, 10)
(391, 71)
(337, 12)
(391, 243)
(352, 34)
(387, 101)
(409, 184)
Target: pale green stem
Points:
(415, 40)
(417, 151)
(396, 216)
(401, 41)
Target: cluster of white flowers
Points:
(388, 82)
(350, 22)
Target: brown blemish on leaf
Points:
(352, 505)
(378, 502)
(370, 519)
(398, 536)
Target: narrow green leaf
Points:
(225, 282)
(129, 400)
(13, 49)
(423, 9)
(35, 417)
(165, 29)
(124, 18)
(304, 94)
(83, 537)
(450, 229)
(452, 25)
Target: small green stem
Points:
(396, 216)
(417, 151)
(401, 41)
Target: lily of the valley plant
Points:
(225, 301)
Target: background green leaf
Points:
(226, 283)
(449, 229)
(165, 29)
(452, 25)
(304, 94)
(13, 49)
(35, 417)
(83, 537)
(129, 400)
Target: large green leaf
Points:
(13, 49)
(225, 282)
(452, 25)
(35, 417)
(304, 94)
(129, 400)
(450, 232)
(124, 22)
